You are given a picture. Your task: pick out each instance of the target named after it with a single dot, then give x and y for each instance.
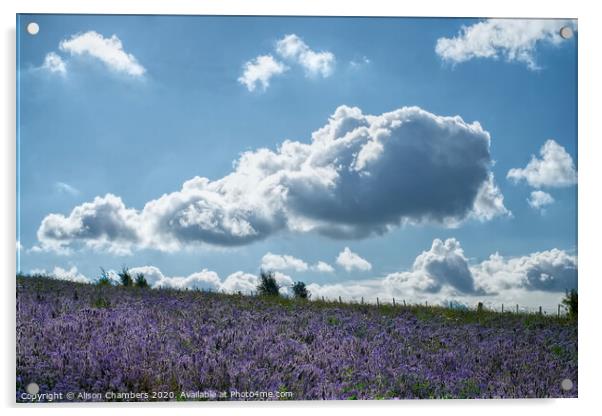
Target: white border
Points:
(589, 188)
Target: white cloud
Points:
(55, 64)
(509, 39)
(352, 261)
(205, 279)
(292, 47)
(242, 282)
(351, 290)
(323, 267)
(260, 70)
(65, 188)
(359, 176)
(72, 274)
(19, 246)
(245, 283)
(108, 50)
(356, 63)
(277, 262)
(539, 199)
(284, 281)
(104, 223)
(152, 275)
(283, 262)
(552, 270)
(443, 264)
(555, 168)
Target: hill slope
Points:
(136, 343)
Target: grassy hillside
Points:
(120, 343)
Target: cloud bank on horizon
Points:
(361, 175)
(441, 272)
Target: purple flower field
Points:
(170, 345)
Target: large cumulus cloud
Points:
(443, 264)
(360, 175)
(103, 223)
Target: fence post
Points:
(502, 308)
(404, 302)
(517, 308)
(362, 300)
(426, 303)
(322, 298)
(540, 310)
(559, 310)
(340, 301)
(377, 303)
(393, 301)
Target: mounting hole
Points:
(32, 388)
(567, 384)
(33, 28)
(566, 32)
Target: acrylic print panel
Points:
(295, 208)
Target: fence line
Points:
(557, 310)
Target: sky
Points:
(425, 159)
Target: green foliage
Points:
(101, 302)
(125, 277)
(470, 389)
(104, 279)
(570, 303)
(140, 281)
(333, 320)
(267, 284)
(300, 290)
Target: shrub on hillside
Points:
(267, 284)
(125, 277)
(140, 281)
(104, 279)
(570, 302)
(300, 290)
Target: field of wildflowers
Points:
(91, 339)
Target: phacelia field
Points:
(87, 342)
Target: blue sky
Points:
(93, 129)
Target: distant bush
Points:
(125, 277)
(101, 303)
(104, 279)
(140, 281)
(267, 284)
(300, 290)
(570, 302)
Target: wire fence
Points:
(558, 310)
